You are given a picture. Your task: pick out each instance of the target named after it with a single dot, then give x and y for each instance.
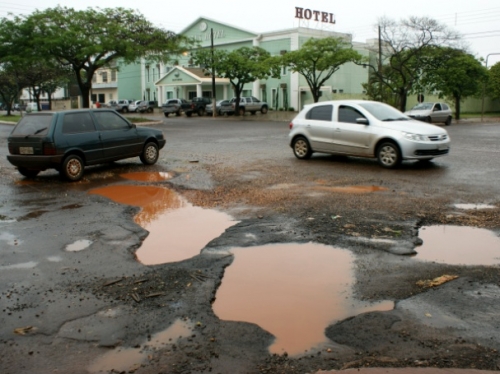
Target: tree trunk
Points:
(402, 99)
(457, 107)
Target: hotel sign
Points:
(314, 15)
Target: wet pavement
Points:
(271, 265)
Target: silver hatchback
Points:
(365, 129)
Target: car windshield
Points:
(384, 112)
(423, 106)
(36, 124)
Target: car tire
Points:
(428, 119)
(150, 154)
(125, 110)
(201, 112)
(150, 110)
(301, 148)
(242, 111)
(448, 121)
(166, 114)
(28, 173)
(72, 168)
(388, 155)
(264, 110)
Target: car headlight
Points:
(415, 137)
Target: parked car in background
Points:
(19, 107)
(110, 104)
(223, 107)
(147, 106)
(132, 107)
(431, 113)
(122, 105)
(365, 129)
(70, 140)
(250, 104)
(175, 106)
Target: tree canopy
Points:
(241, 66)
(404, 54)
(318, 59)
(494, 81)
(86, 40)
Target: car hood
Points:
(419, 112)
(414, 127)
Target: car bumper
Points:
(35, 162)
(424, 150)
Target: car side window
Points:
(445, 107)
(77, 123)
(109, 121)
(437, 107)
(349, 114)
(320, 113)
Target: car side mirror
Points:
(362, 121)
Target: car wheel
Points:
(150, 110)
(388, 155)
(264, 110)
(28, 173)
(301, 148)
(166, 114)
(125, 110)
(201, 112)
(242, 111)
(428, 119)
(448, 121)
(72, 168)
(150, 154)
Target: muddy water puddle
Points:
(127, 360)
(458, 245)
(352, 189)
(177, 229)
(293, 291)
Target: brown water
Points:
(129, 359)
(293, 291)
(459, 245)
(352, 189)
(177, 229)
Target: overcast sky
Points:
(478, 21)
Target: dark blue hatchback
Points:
(70, 140)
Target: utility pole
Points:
(214, 101)
(380, 64)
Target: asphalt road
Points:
(85, 311)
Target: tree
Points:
(11, 84)
(89, 39)
(318, 59)
(404, 46)
(456, 75)
(494, 81)
(241, 66)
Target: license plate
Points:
(443, 147)
(26, 150)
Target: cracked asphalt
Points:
(63, 311)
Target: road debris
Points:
(436, 281)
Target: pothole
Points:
(177, 229)
(293, 291)
(458, 245)
(122, 360)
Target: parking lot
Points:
(77, 310)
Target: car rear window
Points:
(75, 123)
(33, 124)
(320, 113)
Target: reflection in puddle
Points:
(9, 239)
(146, 176)
(352, 189)
(129, 359)
(459, 245)
(177, 229)
(293, 291)
(79, 245)
(24, 265)
(474, 206)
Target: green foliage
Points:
(494, 81)
(241, 66)
(318, 59)
(86, 40)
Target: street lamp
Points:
(484, 85)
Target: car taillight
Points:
(49, 149)
(291, 125)
(12, 149)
